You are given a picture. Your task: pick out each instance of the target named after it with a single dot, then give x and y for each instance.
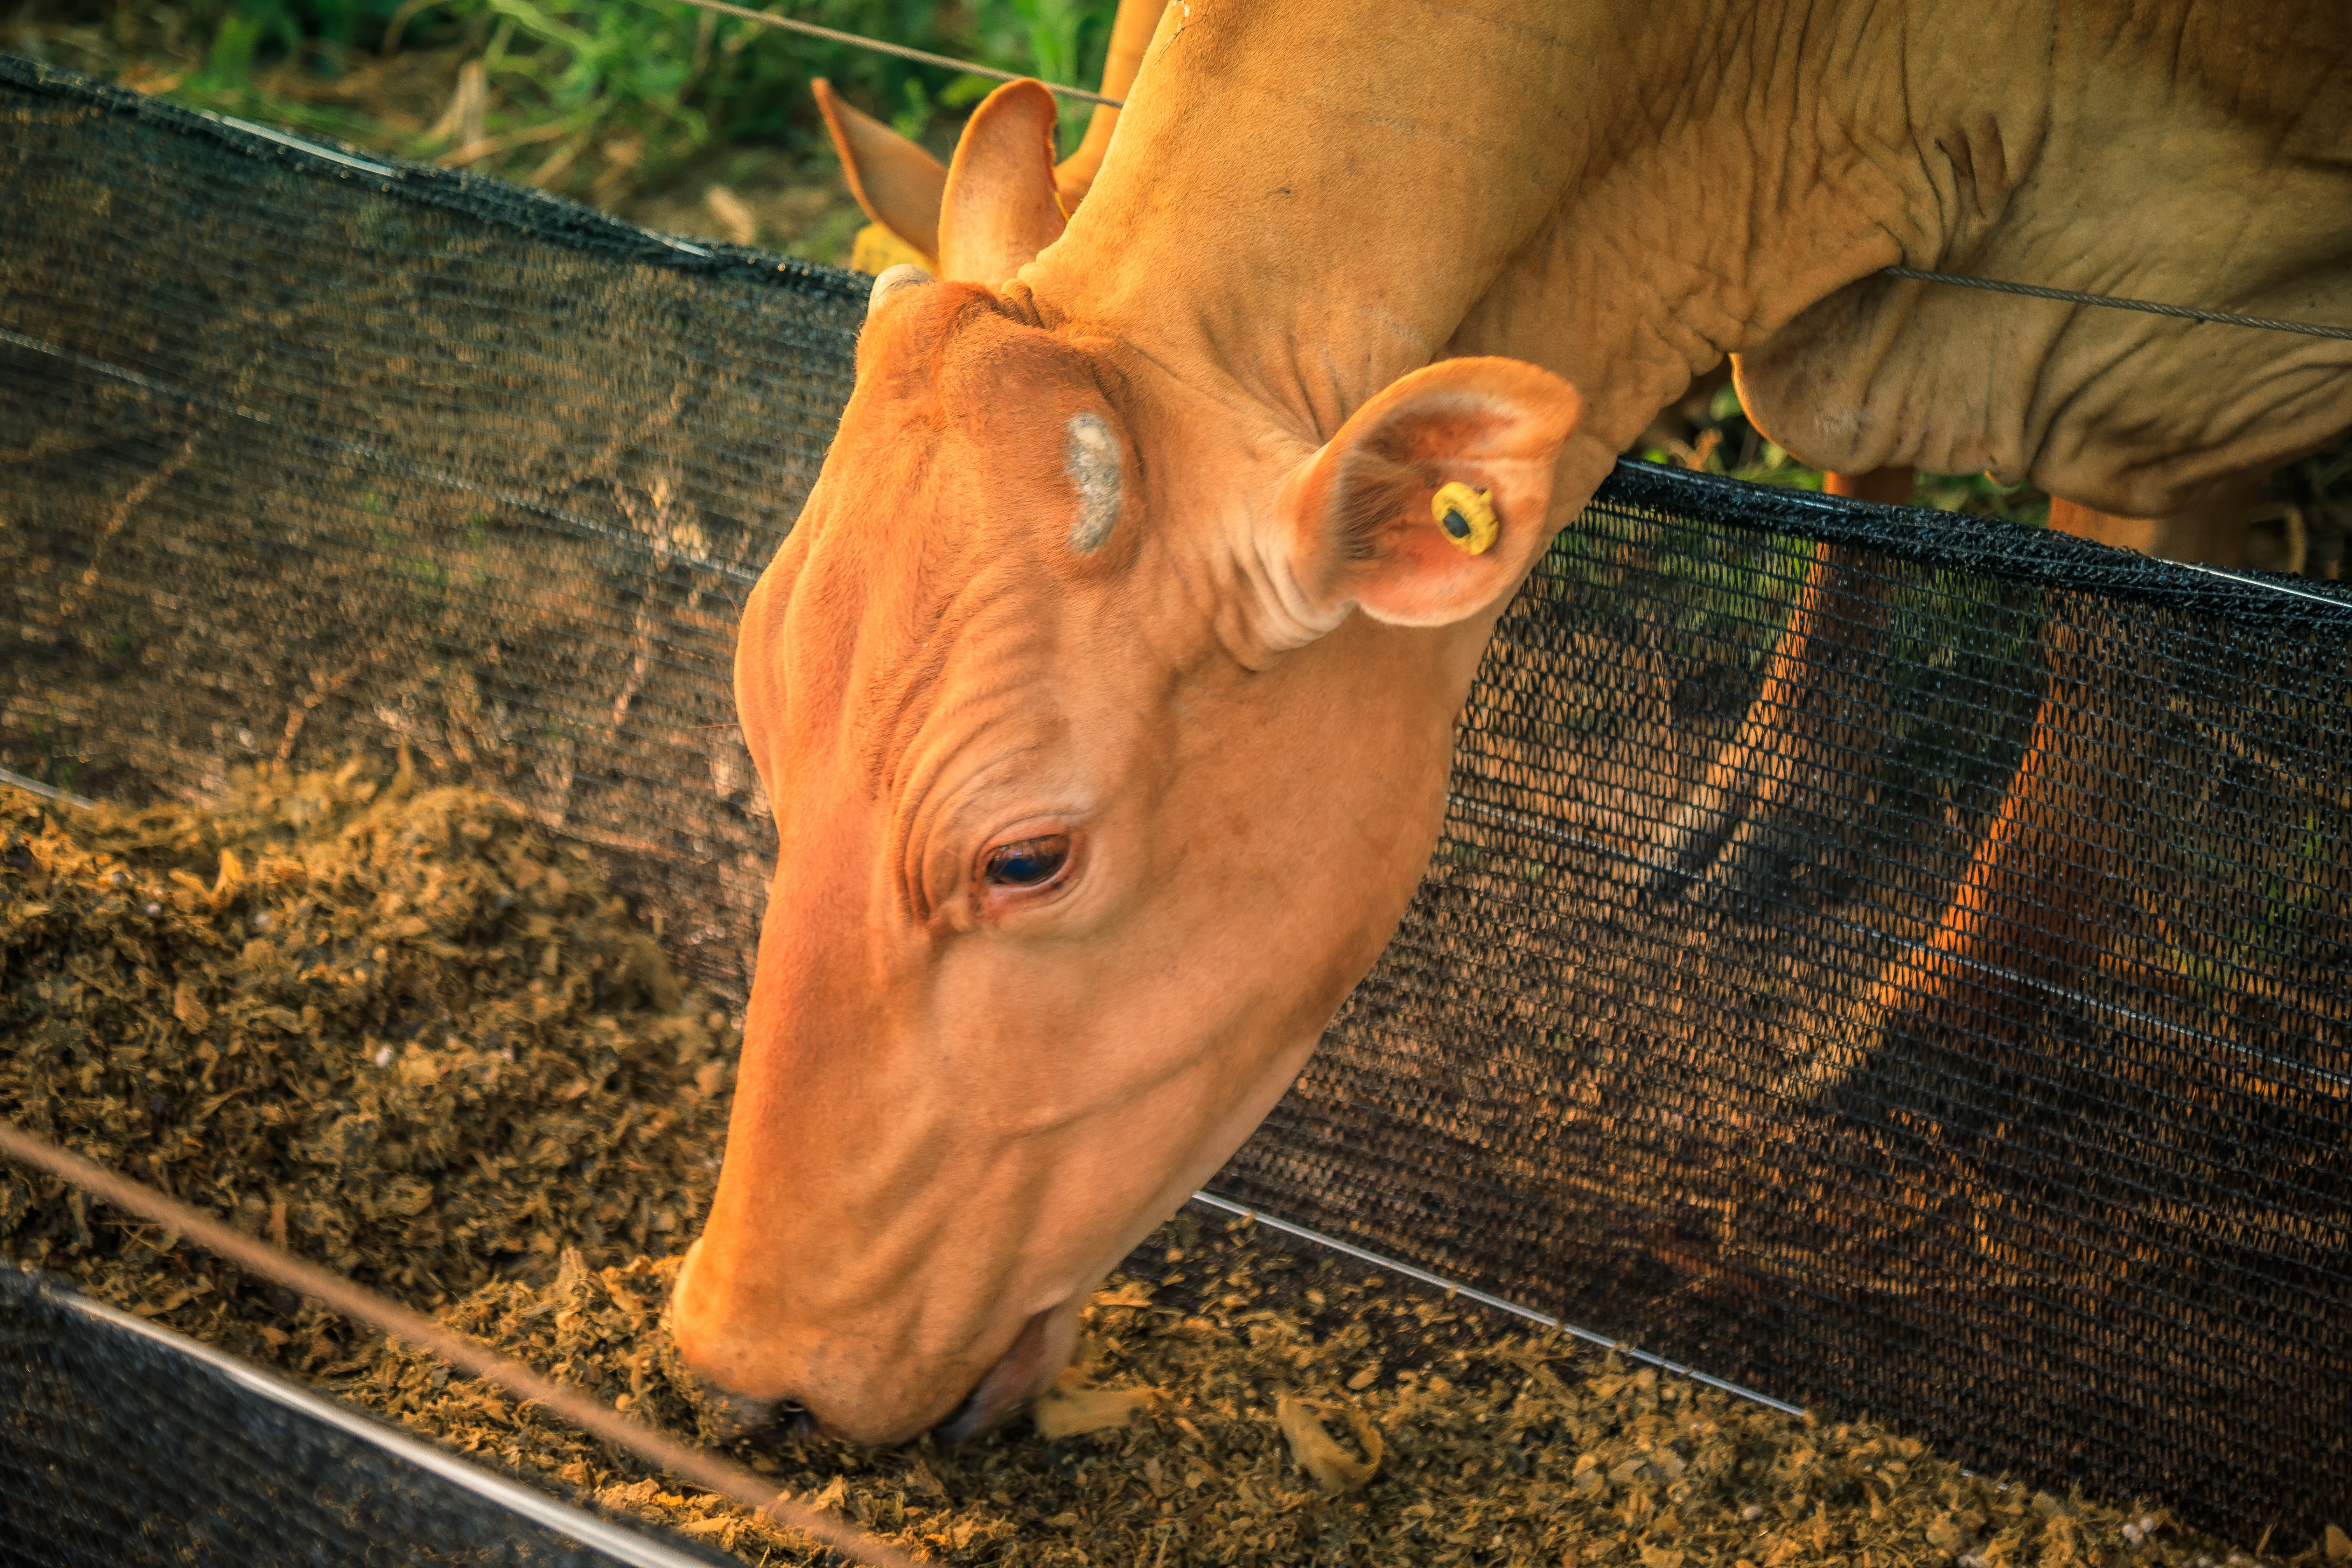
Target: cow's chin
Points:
(1026, 1371)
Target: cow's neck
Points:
(1302, 207)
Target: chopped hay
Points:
(396, 1028)
(406, 1033)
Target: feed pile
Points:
(404, 1031)
(394, 1027)
(1496, 1447)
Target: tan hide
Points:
(1130, 36)
(1094, 793)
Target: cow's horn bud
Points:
(1466, 516)
(905, 275)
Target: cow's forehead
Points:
(951, 351)
(934, 562)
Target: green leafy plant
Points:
(1060, 41)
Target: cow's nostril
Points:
(724, 1416)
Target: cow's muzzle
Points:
(721, 1416)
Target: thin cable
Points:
(2030, 290)
(665, 1453)
(2112, 302)
(922, 56)
(46, 792)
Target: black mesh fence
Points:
(300, 451)
(1893, 961)
(121, 1447)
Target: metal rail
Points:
(656, 1449)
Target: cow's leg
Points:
(1779, 791)
(2048, 874)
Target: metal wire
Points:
(2113, 302)
(2030, 290)
(46, 792)
(1495, 1303)
(922, 56)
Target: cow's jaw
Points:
(1027, 1368)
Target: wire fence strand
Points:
(922, 56)
(2116, 302)
(2030, 290)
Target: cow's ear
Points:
(898, 184)
(1000, 208)
(1431, 501)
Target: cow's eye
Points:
(1028, 863)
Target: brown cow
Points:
(1106, 686)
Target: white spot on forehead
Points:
(905, 275)
(1094, 473)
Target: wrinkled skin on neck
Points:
(958, 1107)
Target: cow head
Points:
(1107, 726)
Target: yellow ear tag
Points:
(1467, 516)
